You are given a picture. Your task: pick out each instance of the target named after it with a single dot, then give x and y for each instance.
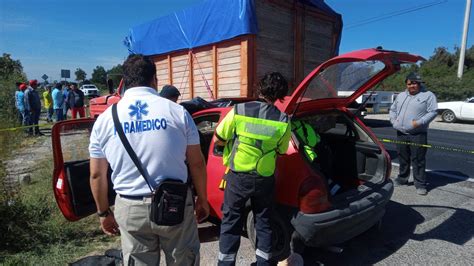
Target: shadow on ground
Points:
(398, 227)
(375, 244)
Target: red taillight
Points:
(313, 196)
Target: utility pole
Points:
(462, 54)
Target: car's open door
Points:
(71, 186)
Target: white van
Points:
(90, 90)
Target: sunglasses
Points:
(413, 83)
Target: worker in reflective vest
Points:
(309, 138)
(253, 133)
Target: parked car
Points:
(457, 110)
(90, 90)
(328, 201)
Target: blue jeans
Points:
(59, 114)
(34, 120)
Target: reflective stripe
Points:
(262, 254)
(232, 154)
(227, 257)
(240, 109)
(259, 129)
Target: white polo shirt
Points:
(159, 132)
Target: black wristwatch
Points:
(104, 213)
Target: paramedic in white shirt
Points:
(164, 136)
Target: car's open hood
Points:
(338, 82)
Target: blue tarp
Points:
(206, 23)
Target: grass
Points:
(34, 232)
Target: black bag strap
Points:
(126, 144)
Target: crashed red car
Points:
(339, 195)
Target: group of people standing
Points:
(57, 100)
(28, 104)
(65, 98)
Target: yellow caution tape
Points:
(439, 147)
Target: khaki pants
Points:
(142, 239)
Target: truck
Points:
(208, 55)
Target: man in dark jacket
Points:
(33, 107)
(76, 101)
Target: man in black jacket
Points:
(75, 100)
(33, 107)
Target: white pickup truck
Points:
(90, 90)
(458, 110)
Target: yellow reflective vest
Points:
(254, 133)
(309, 138)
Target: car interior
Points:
(78, 175)
(206, 126)
(346, 155)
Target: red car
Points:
(339, 195)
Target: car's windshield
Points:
(341, 80)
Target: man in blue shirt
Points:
(58, 102)
(20, 103)
(410, 114)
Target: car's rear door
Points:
(327, 85)
(71, 186)
(206, 122)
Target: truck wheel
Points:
(448, 116)
(281, 236)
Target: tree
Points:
(80, 74)
(99, 76)
(115, 73)
(11, 71)
(439, 74)
(10, 67)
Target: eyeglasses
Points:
(412, 83)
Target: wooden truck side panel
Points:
(293, 39)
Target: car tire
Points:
(281, 235)
(448, 116)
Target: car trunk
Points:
(349, 160)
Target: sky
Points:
(50, 35)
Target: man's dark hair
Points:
(138, 70)
(273, 86)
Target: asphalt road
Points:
(448, 157)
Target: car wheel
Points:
(448, 116)
(281, 235)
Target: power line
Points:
(393, 14)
